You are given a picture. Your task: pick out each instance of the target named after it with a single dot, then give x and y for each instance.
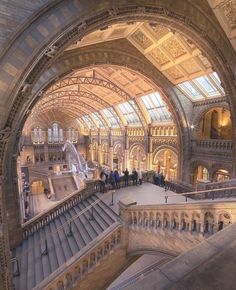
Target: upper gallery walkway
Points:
(150, 194)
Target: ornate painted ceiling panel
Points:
(176, 56)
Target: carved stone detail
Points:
(5, 134)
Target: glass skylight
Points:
(156, 107)
(129, 113)
(111, 119)
(97, 119)
(88, 121)
(203, 87)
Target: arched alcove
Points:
(166, 161)
(216, 124)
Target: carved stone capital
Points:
(5, 134)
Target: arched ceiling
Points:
(112, 96)
(103, 94)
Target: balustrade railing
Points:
(70, 274)
(224, 145)
(227, 192)
(199, 219)
(44, 218)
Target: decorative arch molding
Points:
(165, 147)
(217, 166)
(135, 145)
(196, 121)
(118, 144)
(80, 18)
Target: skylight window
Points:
(129, 113)
(88, 121)
(97, 119)
(111, 119)
(203, 87)
(207, 86)
(156, 107)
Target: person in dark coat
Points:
(117, 179)
(112, 180)
(126, 176)
(135, 177)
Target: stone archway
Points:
(27, 59)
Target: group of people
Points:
(159, 179)
(113, 179)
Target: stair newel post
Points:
(70, 233)
(91, 217)
(45, 252)
(112, 198)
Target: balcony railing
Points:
(213, 144)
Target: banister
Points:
(66, 268)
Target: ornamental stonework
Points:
(229, 10)
(165, 141)
(159, 56)
(173, 47)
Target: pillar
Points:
(99, 148)
(126, 142)
(150, 149)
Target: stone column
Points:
(126, 155)
(99, 148)
(110, 142)
(149, 153)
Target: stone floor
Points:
(146, 193)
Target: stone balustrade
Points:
(213, 144)
(62, 206)
(71, 274)
(204, 218)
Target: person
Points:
(162, 180)
(126, 176)
(117, 179)
(102, 181)
(140, 177)
(135, 177)
(112, 179)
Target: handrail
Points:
(205, 192)
(58, 229)
(59, 208)
(79, 256)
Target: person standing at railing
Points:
(135, 177)
(126, 177)
(112, 179)
(117, 179)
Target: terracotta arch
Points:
(184, 18)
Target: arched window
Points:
(61, 139)
(55, 130)
(49, 135)
(37, 135)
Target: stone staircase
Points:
(53, 245)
